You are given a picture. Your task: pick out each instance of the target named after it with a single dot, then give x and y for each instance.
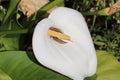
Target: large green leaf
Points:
(108, 67)
(4, 76)
(19, 67)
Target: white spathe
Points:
(75, 59)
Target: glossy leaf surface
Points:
(19, 67)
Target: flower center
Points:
(58, 35)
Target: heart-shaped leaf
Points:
(19, 67)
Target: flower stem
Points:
(102, 12)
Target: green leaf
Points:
(10, 35)
(2, 12)
(19, 67)
(11, 10)
(4, 76)
(99, 43)
(108, 67)
(9, 42)
(98, 37)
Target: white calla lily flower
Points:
(62, 42)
